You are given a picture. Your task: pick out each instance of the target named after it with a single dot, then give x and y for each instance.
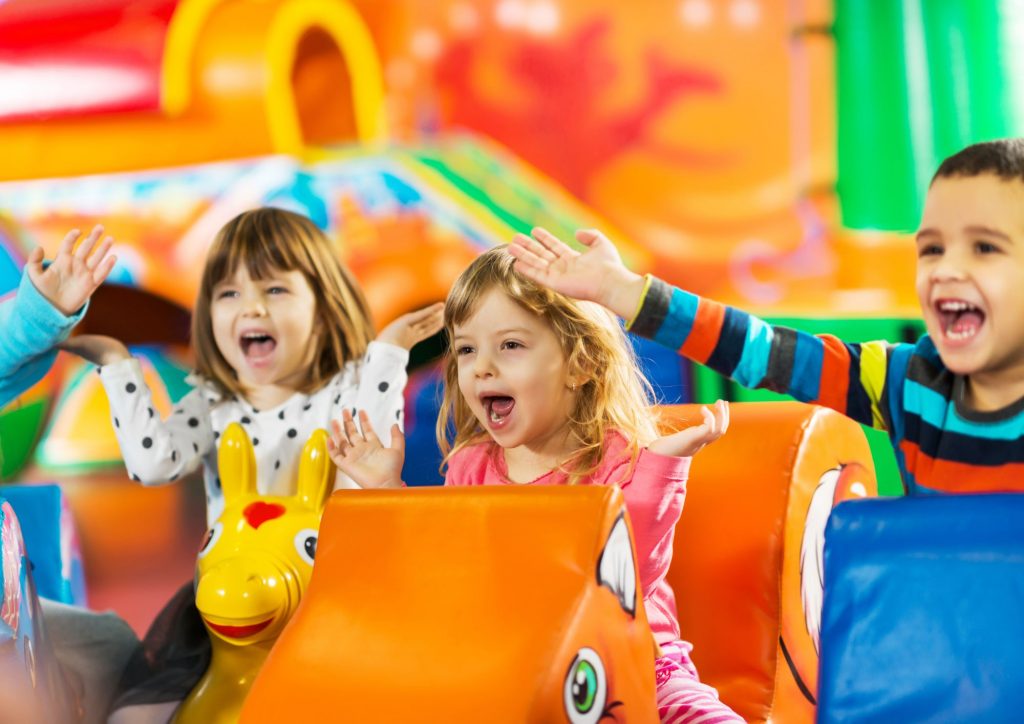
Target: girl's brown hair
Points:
(268, 239)
(615, 395)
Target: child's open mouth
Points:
(498, 407)
(257, 346)
(960, 320)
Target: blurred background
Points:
(771, 154)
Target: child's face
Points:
(513, 375)
(264, 328)
(970, 273)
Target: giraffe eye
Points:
(305, 544)
(211, 538)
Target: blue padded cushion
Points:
(923, 615)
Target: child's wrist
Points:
(624, 293)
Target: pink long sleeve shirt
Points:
(654, 491)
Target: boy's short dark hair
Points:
(1003, 157)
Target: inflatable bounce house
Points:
(769, 155)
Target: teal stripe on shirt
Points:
(682, 310)
(940, 413)
(757, 349)
(805, 382)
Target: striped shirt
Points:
(941, 445)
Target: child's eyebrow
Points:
(927, 233)
(988, 231)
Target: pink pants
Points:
(682, 699)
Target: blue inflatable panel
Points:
(923, 615)
(50, 541)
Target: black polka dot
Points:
(280, 415)
(355, 412)
(147, 442)
(136, 478)
(150, 411)
(174, 477)
(398, 414)
(195, 447)
(306, 406)
(218, 483)
(245, 420)
(255, 441)
(383, 386)
(215, 434)
(255, 411)
(99, 370)
(293, 432)
(174, 456)
(193, 422)
(117, 423)
(337, 399)
(130, 387)
(179, 411)
(277, 464)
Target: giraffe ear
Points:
(236, 463)
(316, 471)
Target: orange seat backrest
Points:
(736, 569)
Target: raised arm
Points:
(155, 450)
(49, 302)
(821, 369)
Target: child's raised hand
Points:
(96, 348)
(688, 442)
(74, 274)
(596, 275)
(414, 327)
(362, 457)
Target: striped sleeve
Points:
(822, 369)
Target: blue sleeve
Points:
(30, 328)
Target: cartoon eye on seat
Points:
(500, 605)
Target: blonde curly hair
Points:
(614, 395)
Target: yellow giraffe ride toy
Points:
(252, 571)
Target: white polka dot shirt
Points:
(158, 451)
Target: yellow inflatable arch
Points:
(238, 78)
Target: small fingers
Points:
(368, 433)
(555, 247)
(337, 443)
(100, 273)
(540, 246)
(35, 260)
(352, 433)
(99, 255)
(67, 244)
(724, 416)
(397, 438)
(421, 315)
(87, 244)
(588, 237)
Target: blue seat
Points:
(922, 616)
(50, 540)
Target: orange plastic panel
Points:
(468, 604)
(736, 570)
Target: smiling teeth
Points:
(967, 333)
(955, 306)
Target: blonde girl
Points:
(542, 389)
